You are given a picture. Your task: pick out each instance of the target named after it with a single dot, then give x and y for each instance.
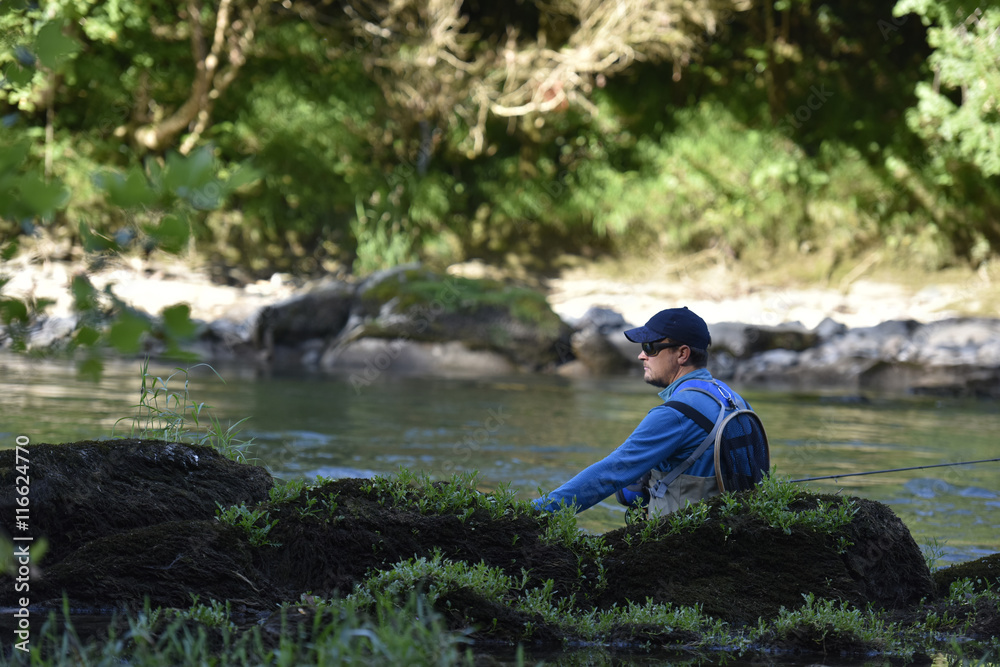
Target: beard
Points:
(657, 382)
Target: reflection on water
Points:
(534, 432)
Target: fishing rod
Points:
(879, 472)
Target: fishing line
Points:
(879, 472)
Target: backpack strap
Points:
(701, 420)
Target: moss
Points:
(419, 291)
(983, 573)
(85, 490)
(166, 564)
(412, 287)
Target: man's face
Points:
(664, 365)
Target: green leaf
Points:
(42, 304)
(52, 47)
(93, 241)
(177, 321)
(201, 165)
(243, 176)
(12, 310)
(9, 250)
(171, 235)
(129, 191)
(84, 294)
(87, 336)
(184, 174)
(13, 155)
(126, 332)
(40, 197)
(17, 75)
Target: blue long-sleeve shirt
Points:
(662, 440)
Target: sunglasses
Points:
(653, 349)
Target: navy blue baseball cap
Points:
(677, 324)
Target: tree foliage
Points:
(439, 73)
(318, 136)
(958, 113)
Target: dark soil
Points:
(134, 520)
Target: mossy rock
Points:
(740, 569)
(328, 557)
(318, 312)
(418, 304)
(328, 539)
(166, 564)
(983, 573)
(492, 620)
(86, 490)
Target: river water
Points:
(536, 431)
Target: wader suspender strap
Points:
(702, 421)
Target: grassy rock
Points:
(754, 569)
(982, 573)
(483, 561)
(166, 563)
(86, 490)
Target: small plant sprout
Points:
(561, 527)
(458, 495)
(687, 519)
(826, 619)
(772, 500)
(286, 492)
(216, 614)
(247, 519)
(438, 575)
(933, 551)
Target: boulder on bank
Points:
(745, 340)
(317, 312)
(413, 304)
(955, 357)
(166, 563)
(983, 573)
(160, 542)
(426, 321)
(365, 359)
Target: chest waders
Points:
(672, 490)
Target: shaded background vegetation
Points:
(312, 136)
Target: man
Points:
(674, 354)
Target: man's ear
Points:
(685, 355)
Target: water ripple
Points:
(930, 487)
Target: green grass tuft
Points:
(165, 412)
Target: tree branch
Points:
(216, 67)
